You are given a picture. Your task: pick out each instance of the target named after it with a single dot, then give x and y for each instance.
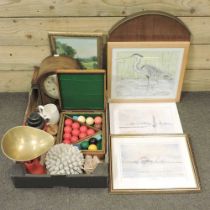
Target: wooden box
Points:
(98, 179)
(82, 93)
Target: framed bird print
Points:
(146, 71)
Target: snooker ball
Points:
(98, 137)
(75, 117)
(99, 145)
(66, 141)
(75, 132)
(98, 120)
(82, 135)
(90, 132)
(78, 146)
(90, 121)
(68, 122)
(67, 136)
(83, 129)
(92, 141)
(67, 129)
(81, 119)
(84, 145)
(74, 139)
(92, 147)
(75, 125)
(98, 126)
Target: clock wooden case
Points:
(44, 80)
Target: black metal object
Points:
(35, 120)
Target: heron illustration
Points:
(152, 73)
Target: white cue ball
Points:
(81, 119)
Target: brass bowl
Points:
(24, 143)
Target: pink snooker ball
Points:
(75, 132)
(90, 132)
(75, 125)
(98, 120)
(74, 139)
(68, 122)
(82, 135)
(83, 129)
(67, 129)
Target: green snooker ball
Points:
(84, 145)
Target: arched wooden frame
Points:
(147, 29)
(149, 26)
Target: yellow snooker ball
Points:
(92, 147)
(90, 121)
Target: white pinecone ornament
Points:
(64, 159)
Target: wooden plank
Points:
(15, 81)
(22, 57)
(19, 81)
(26, 57)
(199, 57)
(22, 8)
(34, 31)
(197, 80)
(199, 28)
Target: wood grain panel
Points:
(15, 81)
(22, 57)
(26, 57)
(19, 81)
(33, 31)
(35, 8)
(199, 57)
(197, 80)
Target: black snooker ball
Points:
(93, 141)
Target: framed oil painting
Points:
(144, 118)
(153, 163)
(87, 48)
(146, 71)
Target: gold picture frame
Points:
(87, 48)
(146, 71)
(152, 164)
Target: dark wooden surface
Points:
(149, 27)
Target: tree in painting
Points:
(64, 49)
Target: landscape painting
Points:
(86, 49)
(145, 72)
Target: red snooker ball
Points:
(75, 125)
(83, 129)
(98, 126)
(98, 120)
(67, 129)
(68, 122)
(67, 136)
(66, 142)
(75, 132)
(74, 139)
(82, 135)
(90, 132)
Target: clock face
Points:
(51, 86)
